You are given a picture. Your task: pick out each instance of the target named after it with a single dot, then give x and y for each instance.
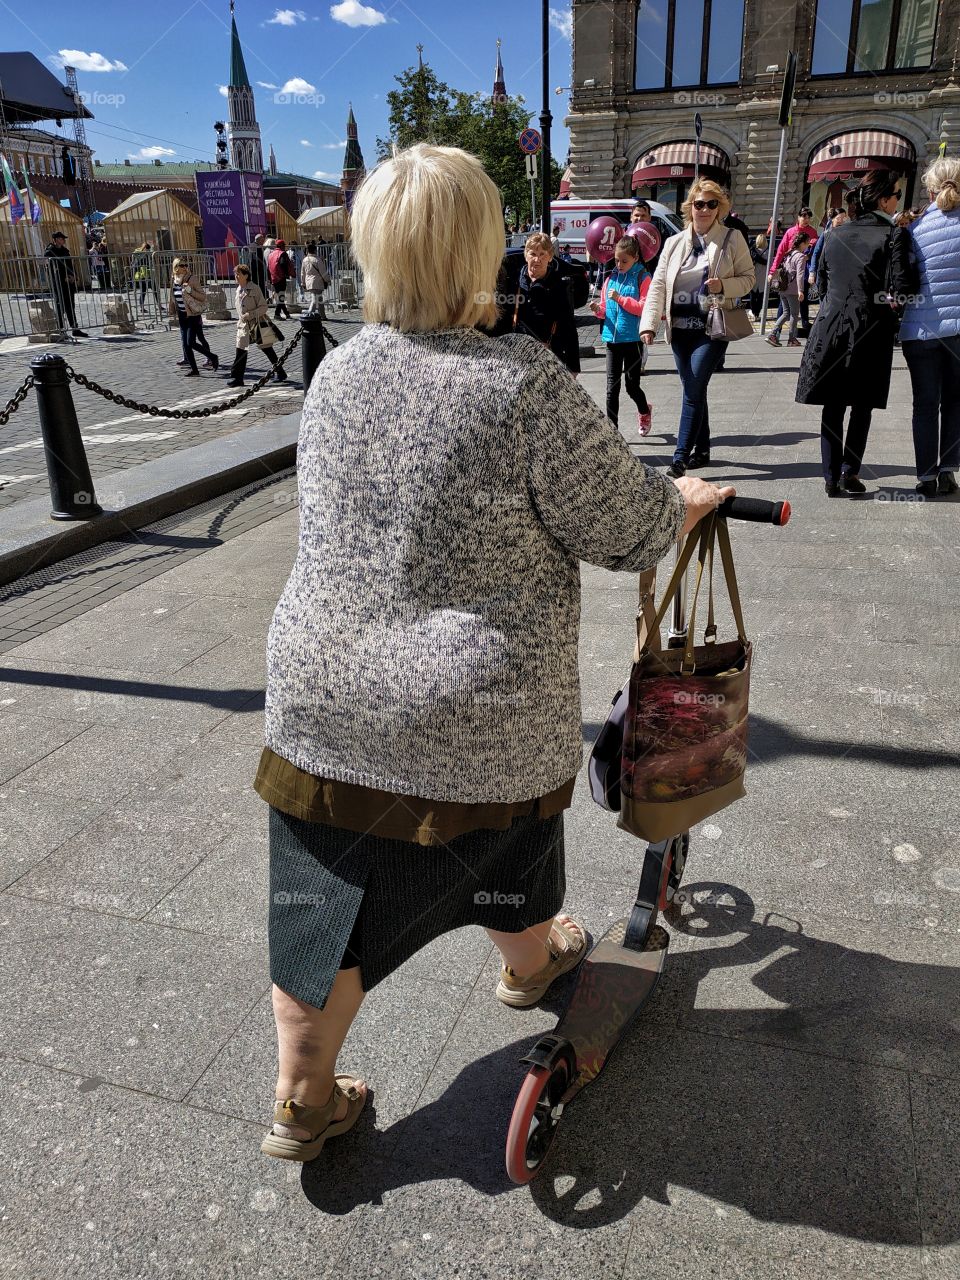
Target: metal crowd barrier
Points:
(111, 290)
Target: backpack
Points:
(782, 279)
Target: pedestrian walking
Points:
(188, 298)
(706, 260)
(792, 283)
(838, 219)
(541, 305)
(142, 273)
(930, 332)
(450, 483)
(63, 282)
(802, 226)
(253, 325)
(620, 308)
(280, 269)
(848, 359)
(258, 265)
(314, 279)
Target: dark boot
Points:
(238, 368)
(278, 368)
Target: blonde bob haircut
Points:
(705, 189)
(427, 231)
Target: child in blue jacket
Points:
(620, 307)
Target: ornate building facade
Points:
(876, 85)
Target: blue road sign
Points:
(530, 142)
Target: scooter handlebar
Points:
(759, 510)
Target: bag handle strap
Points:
(673, 586)
(707, 536)
(730, 574)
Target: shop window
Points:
(688, 42)
(872, 36)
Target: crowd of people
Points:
(881, 279)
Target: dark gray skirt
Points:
(389, 898)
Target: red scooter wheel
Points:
(533, 1124)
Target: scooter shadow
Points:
(819, 1138)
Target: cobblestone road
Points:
(142, 366)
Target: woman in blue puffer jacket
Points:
(620, 307)
(930, 332)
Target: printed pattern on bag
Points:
(685, 735)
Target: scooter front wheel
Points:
(536, 1115)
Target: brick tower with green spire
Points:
(243, 132)
(353, 166)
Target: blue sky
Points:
(153, 73)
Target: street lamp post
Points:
(545, 121)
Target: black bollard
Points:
(313, 346)
(71, 488)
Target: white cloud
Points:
(222, 90)
(353, 14)
(562, 20)
(286, 18)
(305, 143)
(333, 146)
(298, 85)
(85, 61)
(265, 84)
(321, 176)
(154, 153)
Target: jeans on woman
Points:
(935, 375)
(192, 339)
(696, 357)
(793, 311)
(624, 359)
(839, 458)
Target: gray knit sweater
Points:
(426, 641)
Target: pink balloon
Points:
(602, 236)
(647, 236)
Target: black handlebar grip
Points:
(759, 510)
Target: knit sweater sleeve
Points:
(600, 502)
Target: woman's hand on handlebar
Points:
(701, 498)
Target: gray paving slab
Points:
(34, 824)
(86, 641)
(134, 1004)
(936, 1117)
(114, 1185)
(28, 738)
(87, 766)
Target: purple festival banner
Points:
(222, 213)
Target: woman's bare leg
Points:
(310, 1039)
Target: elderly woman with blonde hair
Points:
(423, 716)
(540, 305)
(704, 261)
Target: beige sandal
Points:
(567, 945)
(318, 1121)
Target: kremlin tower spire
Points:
(243, 132)
(353, 166)
(499, 84)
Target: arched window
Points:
(865, 36)
(688, 42)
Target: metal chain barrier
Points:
(155, 412)
(16, 400)
(331, 340)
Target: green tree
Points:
(424, 109)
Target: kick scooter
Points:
(622, 970)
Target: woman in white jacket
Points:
(314, 278)
(704, 260)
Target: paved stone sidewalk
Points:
(144, 368)
(789, 1103)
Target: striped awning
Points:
(565, 183)
(849, 153)
(679, 160)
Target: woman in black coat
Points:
(848, 358)
(541, 304)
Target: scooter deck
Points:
(612, 985)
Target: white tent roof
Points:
(324, 214)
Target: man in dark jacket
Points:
(280, 269)
(258, 266)
(864, 272)
(540, 304)
(63, 281)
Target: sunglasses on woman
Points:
(706, 204)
